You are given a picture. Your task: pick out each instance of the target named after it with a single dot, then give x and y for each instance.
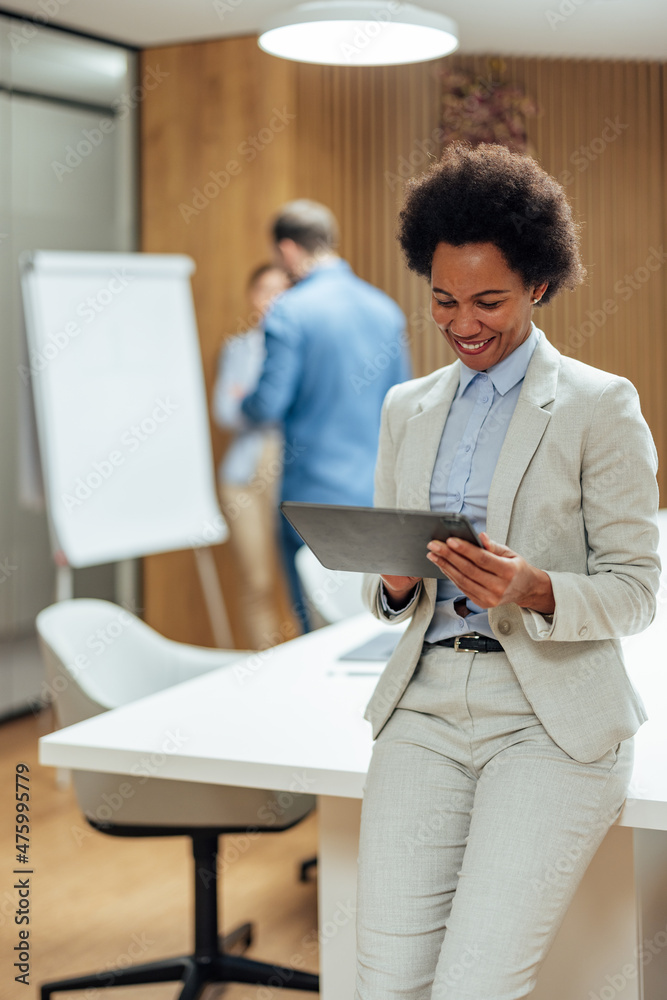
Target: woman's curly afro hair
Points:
(491, 195)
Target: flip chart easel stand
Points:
(213, 597)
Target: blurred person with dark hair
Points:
(334, 346)
(250, 471)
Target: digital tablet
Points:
(375, 539)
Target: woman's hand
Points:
(399, 588)
(493, 575)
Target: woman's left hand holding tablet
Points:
(493, 575)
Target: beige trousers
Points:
(476, 830)
(251, 511)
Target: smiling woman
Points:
(480, 304)
(504, 719)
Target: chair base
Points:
(194, 973)
(211, 961)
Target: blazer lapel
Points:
(421, 441)
(524, 434)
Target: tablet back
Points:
(374, 539)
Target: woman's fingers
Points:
(476, 589)
(470, 559)
(481, 574)
(493, 575)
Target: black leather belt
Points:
(472, 642)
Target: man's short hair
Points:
(311, 225)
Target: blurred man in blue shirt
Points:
(334, 346)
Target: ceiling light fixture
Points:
(351, 33)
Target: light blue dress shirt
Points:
(469, 448)
(466, 461)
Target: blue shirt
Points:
(469, 448)
(334, 346)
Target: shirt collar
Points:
(507, 372)
(325, 267)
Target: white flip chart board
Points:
(116, 373)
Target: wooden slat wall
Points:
(215, 96)
(357, 132)
(357, 129)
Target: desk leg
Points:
(594, 955)
(651, 876)
(338, 821)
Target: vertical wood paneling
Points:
(357, 134)
(216, 94)
(369, 132)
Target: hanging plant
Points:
(479, 109)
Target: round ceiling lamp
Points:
(351, 33)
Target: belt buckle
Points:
(468, 635)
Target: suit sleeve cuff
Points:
(395, 612)
(539, 627)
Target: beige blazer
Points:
(574, 492)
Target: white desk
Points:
(291, 719)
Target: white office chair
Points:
(334, 594)
(99, 656)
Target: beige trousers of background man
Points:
(250, 510)
(476, 830)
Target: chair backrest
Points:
(99, 656)
(334, 594)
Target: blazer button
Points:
(505, 627)
(583, 630)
